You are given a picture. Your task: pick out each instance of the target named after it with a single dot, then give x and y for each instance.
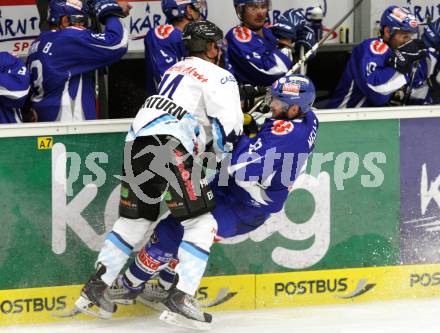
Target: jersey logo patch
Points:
(242, 34)
(163, 31)
(282, 127)
(378, 47)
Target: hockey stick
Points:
(414, 67)
(302, 69)
(322, 40)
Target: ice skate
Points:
(185, 311)
(154, 296)
(94, 299)
(121, 291)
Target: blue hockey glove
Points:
(104, 8)
(306, 37)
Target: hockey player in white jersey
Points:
(197, 110)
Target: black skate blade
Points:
(178, 320)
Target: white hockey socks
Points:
(119, 244)
(193, 252)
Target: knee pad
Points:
(131, 230)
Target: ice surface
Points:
(421, 316)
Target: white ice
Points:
(404, 316)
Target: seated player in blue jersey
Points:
(258, 56)
(258, 179)
(164, 45)
(62, 60)
(427, 90)
(252, 48)
(14, 88)
(380, 70)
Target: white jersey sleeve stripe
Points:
(396, 82)
(13, 94)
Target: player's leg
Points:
(154, 257)
(136, 216)
(199, 229)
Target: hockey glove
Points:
(403, 58)
(248, 94)
(250, 91)
(103, 8)
(306, 38)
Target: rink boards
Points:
(370, 198)
(246, 292)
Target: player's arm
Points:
(376, 79)
(14, 81)
(222, 101)
(88, 51)
(393, 72)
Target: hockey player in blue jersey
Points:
(427, 80)
(14, 88)
(379, 68)
(163, 45)
(254, 53)
(262, 170)
(62, 60)
(252, 48)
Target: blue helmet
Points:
(72, 8)
(295, 89)
(177, 8)
(431, 34)
(250, 2)
(398, 18)
(288, 25)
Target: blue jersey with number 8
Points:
(62, 65)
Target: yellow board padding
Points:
(38, 305)
(233, 292)
(344, 286)
(246, 292)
